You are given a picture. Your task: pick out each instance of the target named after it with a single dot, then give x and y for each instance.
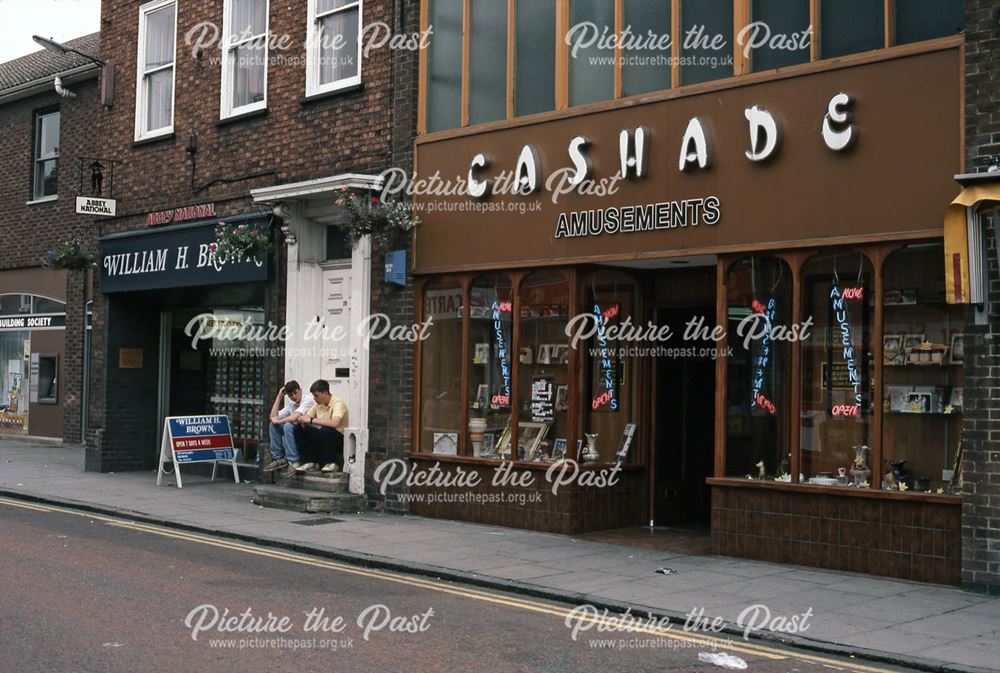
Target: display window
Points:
(836, 423)
(441, 368)
(758, 408)
(923, 350)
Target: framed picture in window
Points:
(526, 355)
(911, 346)
(559, 449)
(481, 354)
(529, 436)
(957, 348)
(562, 398)
(446, 443)
(892, 349)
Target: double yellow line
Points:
(747, 648)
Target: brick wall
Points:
(391, 385)
(39, 227)
(981, 468)
(294, 140)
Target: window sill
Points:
(329, 95)
(735, 482)
(245, 116)
(152, 140)
(44, 199)
(518, 464)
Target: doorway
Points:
(684, 413)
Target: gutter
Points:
(44, 84)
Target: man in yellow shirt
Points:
(319, 432)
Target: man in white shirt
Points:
(284, 451)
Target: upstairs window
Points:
(244, 65)
(334, 45)
(46, 155)
(154, 107)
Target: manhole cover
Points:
(318, 521)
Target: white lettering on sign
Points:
(838, 133)
(131, 263)
(478, 189)
(689, 213)
(765, 133)
(528, 171)
(696, 149)
(581, 162)
(695, 145)
(632, 152)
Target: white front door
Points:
(335, 364)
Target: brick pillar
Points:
(981, 423)
(981, 432)
(72, 367)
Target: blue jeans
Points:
(283, 444)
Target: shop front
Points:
(186, 334)
(32, 352)
(720, 306)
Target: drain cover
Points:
(317, 521)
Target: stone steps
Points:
(316, 481)
(301, 499)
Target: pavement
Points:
(923, 626)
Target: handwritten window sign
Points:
(543, 399)
(196, 439)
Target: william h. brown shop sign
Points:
(853, 152)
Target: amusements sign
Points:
(196, 439)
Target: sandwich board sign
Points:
(196, 439)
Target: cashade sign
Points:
(181, 256)
(196, 439)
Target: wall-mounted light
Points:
(107, 69)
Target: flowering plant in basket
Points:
(237, 241)
(68, 255)
(371, 216)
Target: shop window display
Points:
(837, 369)
(609, 298)
(14, 347)
(491, 339)
(543, 361)
(922, 356)
(441, 369)
(758, 415)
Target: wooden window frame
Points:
(742, 14)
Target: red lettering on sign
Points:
(505, 307)
(766, 404)
(854, 293)
(601, 400)
(501, 400)
(846, 410)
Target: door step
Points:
(301, 499)
(328, 483)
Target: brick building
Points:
(981, 507)
(44, 136)
(268, 133)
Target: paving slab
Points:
(936, 627)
